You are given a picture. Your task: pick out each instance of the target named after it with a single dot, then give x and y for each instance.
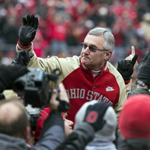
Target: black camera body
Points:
(34, 86)
(33, 116)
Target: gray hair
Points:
(110, 40)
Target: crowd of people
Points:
(96, 126)
(63, 25)
(82, 101)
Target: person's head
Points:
(68, 127)
(13, 119)
(139, 90)
(134, 119)
(97, 48)
(108, 131)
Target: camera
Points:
(33, 115)
(34, 86)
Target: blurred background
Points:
(63, 24)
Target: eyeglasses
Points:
(91, 48)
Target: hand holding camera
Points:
(61, 102)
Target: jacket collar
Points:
(104, 69)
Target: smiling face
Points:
(94, 60)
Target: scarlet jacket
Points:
(79, 82)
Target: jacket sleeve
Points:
(66, 65)
(122, 87)
(122, 97)
(52, 134)
(78, 139)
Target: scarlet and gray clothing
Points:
(79, 82)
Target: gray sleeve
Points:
(52, 134)
(52, 139)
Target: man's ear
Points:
(27, 134)
(108, 55)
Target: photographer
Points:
(14, 125)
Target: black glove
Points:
(94, 115)
(22, 58)
(8, 74)
(28, 30)
(126, 67)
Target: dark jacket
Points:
(134, 144)
(80, 137)
(52, 136)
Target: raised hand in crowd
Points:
(28, 30)
(90, 119)
(130, 57)
(22, 58)
(126, 67)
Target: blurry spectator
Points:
(101, 14)
(119, 51)
(3, 17)
(40, 44)
(96, 115)
(143, 77)
(137, 44)
(21, 8)
(129, 33)
(103, 138)
(77, 12)
(42, 8)
(142, 6)
(7, 60)
(134, 123)
(145, 27)
(58, 33)
(10, 30)
(71, 37)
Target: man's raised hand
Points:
(28, 30)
